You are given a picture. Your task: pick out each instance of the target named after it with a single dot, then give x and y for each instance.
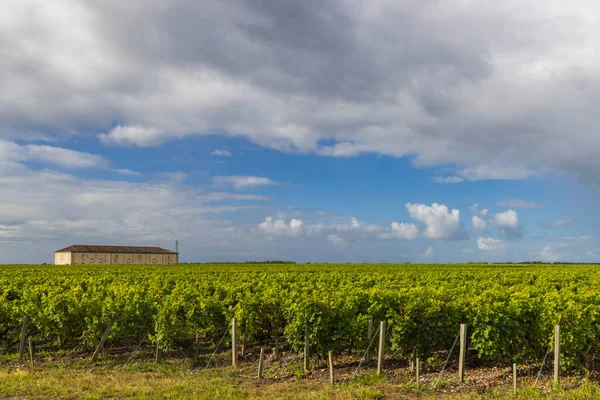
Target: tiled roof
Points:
(85, 248)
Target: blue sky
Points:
(305, 131)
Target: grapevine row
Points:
(510, 310)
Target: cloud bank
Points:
(476, 85)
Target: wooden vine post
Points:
(514, 379)
(418, 368)
(369, 338)
(306, 348)
(331, 367)
(157, 353)
(382, 326)
(31, 352)
(234, 345)
(462, 352)
(276, 350)
(23, 337)
(557, 353)
(260, 362)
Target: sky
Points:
(317, 130)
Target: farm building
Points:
(91, 254)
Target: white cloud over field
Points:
(52, 155)
(440, 222)
(489, 244)
(508, 223)
(243, 182)
(220, 153)
(278, 227)
(478, 223)
(549, 254)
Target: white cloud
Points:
(592, 254)
(225, 196)
(335, 239)
(177, 176)
(475, 209)
(447, 179)
(132, 136)
(126, 172)
(220, 153)
(561, 223)
(402, 230)
(471, 85)
(508, 223)
(518, 203)
(478, 223)
(547, 254)
(356, 226)
(441, 223)
(105, 211)
(58, 156)
(242, 182)
(507, 219)
(279, 227)
(497, 172)
(489, 244)
(578, 238)
(429, 252)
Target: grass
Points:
(177, 379)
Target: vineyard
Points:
(510, 310)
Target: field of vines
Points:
(510, 309)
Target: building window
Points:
(101, 261)
(62, 256)
(128, 261)
(91, 260)
(154, 261)
(116, 258)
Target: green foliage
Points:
(511, 310)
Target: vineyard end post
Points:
(369, 338)
(515, 379)
(23, 337)
(260, 362)
(556, 353)
(462, 352)
(331, 367)
(276, 350)
(418, 368)
(31, 352)
(382, 326)
(306, 348)
(234, 346)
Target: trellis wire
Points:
(136, 349)
(542, 367)
(447, 359)
(216, 348)
(10, 335)
(365, 353)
